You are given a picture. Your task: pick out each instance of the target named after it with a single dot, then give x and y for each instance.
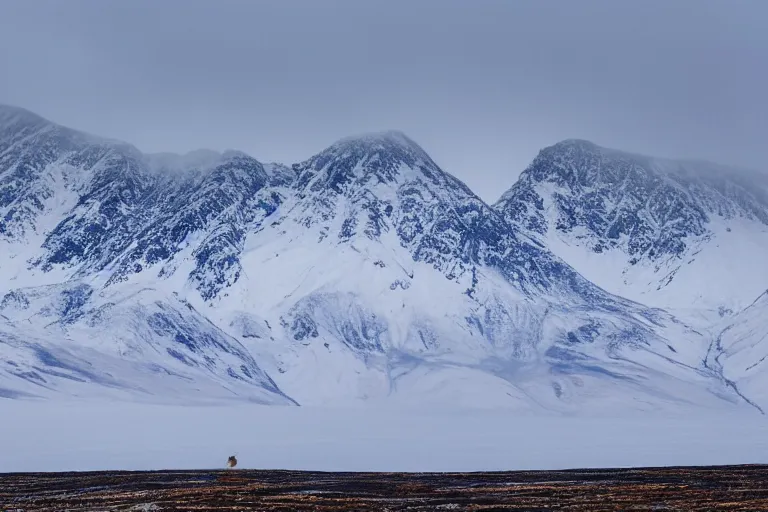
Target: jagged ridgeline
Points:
(648, 228)
(363, 273)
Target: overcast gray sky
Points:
(482, 85)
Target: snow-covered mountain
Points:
(81, 213)
(365, 272)
(666, 233)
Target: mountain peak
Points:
(16, 117)
(380, 156)
(580, 149)
(389, 142)
(576, 143)
(16, 123)
(379, 137)
(655, 216)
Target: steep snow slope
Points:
(740, 352)
(69, 338)
(45, 171)
(666, 233)
(365, 272)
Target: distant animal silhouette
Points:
(232, 461)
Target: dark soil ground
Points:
(742, 488)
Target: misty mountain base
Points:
(103, 436)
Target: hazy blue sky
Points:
(482, 85)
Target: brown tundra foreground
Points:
(693, 488)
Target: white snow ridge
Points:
(602, 283)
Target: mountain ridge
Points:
(365, 272)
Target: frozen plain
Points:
(88, 435)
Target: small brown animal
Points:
(232, 461)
